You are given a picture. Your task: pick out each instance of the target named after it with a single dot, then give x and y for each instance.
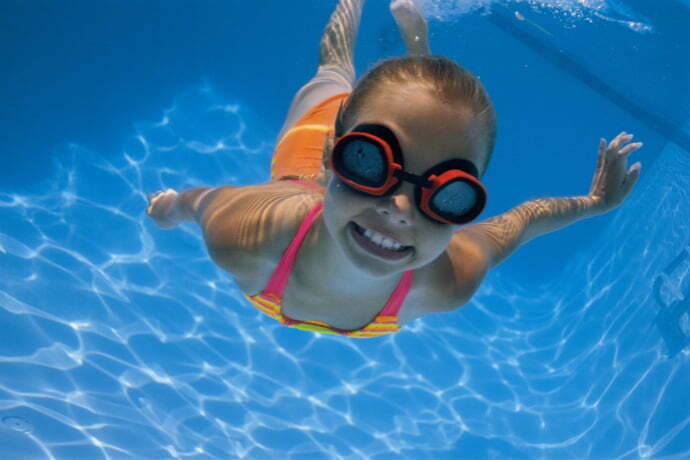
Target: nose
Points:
(397, 209)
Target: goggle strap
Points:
(420, 181)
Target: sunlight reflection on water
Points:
(123, 339)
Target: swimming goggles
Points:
(369, 160)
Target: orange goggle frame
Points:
(427, 185)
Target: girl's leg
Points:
(336, 69)
(412, 26)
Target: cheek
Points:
(435, 238)
(338, 207)
(341, 203)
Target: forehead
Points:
(429, 129)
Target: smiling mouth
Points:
(378, 244)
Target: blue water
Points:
(123, 340)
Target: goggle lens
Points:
(363, 162)
(454, 200)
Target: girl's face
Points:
(429, 131)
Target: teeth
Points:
(382, 241)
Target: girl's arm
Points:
(497, 238)
(240, 225)
(493, 240)
(168, 208)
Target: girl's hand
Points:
(162, 208)
(613, 181)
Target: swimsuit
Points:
(298, 155)
(269, 300)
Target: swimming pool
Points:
(122, 340)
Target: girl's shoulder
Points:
(445, 284)
(247, 229)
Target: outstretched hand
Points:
(613, 180)
(162, 208)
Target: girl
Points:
(357, 233)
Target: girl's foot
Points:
(162, 208)
(412, 26)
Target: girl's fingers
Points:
(602, 150)
(630, 148)
(152, 199)
(614, 155)
(621, 139)
(632, 177)
(613, 145)
(601, 159)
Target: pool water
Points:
(123, 340)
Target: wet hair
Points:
(449, 81)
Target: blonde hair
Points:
(444, 77)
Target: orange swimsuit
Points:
(299, 155)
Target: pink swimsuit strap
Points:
(276, 285)
(281, 274)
